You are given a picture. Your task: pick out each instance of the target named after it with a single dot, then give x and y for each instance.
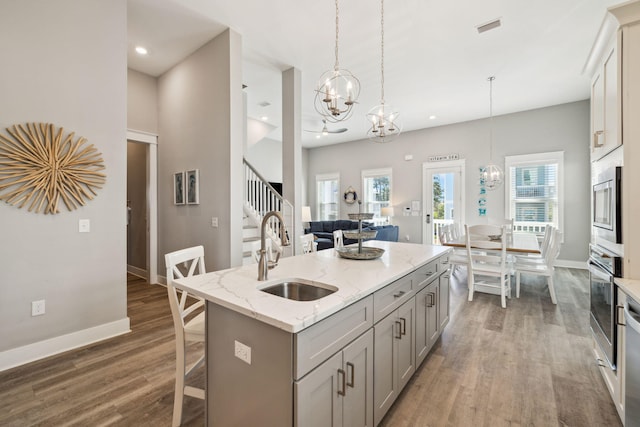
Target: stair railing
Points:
(260, 197)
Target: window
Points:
(376, 192)
(534, 191)
(327, 197)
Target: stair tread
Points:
(250, 239)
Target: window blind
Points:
(534, 193)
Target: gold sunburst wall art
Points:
(40, 165)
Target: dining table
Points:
(523, 243)
(518, 243)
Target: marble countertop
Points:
(630, 287)
(238, 288)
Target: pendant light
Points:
(492, 175)
(383, 118)
(337, 90)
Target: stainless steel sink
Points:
(300, 289)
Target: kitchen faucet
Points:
(265, 265)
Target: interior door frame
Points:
(152, 198)
(426, 198)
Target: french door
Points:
(442, 198)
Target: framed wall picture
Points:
(193, 187)
(178, 188)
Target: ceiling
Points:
(436, 62)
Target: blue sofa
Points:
(323, 230)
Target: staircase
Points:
(250, 234)
(259, 198)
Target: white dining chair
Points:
(457, 257)
(542, 268)
(338, 240)
(443, 235)
(188, 321)
(308, 243)
(545, 246)
(507, 223)
(487, 269)
(454, 230)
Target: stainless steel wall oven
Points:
(604, 266)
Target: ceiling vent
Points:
(489, 26)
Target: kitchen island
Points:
(276, 361)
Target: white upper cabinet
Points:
(605, 106)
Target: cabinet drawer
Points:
(318, 342)
(426, 273)
(393, 296)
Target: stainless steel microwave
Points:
(607, 205)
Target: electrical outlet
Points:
(84, 226)
(243, 352)
(37, 308)
(214, 221)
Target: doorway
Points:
(443, 197)
(141, 209)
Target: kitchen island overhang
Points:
(239, 290)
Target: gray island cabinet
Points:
(341, 360)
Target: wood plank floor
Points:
(527, 365)
(530, 364)
(124, 381)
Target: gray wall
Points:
(266, 157)
(200, 127)
(65, 63)
(557, 128)
(142, 102)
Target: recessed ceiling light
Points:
(264, 118)
(432, 117)
(141, 50)
(317, 136)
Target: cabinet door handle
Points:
(596, 138)
(399, 336)
(428, 273)
(403, 331)
(430, 301)
(619, 319)
(351, 383)
(344, 388)
(399, 294)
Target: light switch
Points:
(84, 226)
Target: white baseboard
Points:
(136, 271)
(49, 347)
(582, 265)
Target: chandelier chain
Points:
(382, 49)
(337, 66)
(491, 79)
